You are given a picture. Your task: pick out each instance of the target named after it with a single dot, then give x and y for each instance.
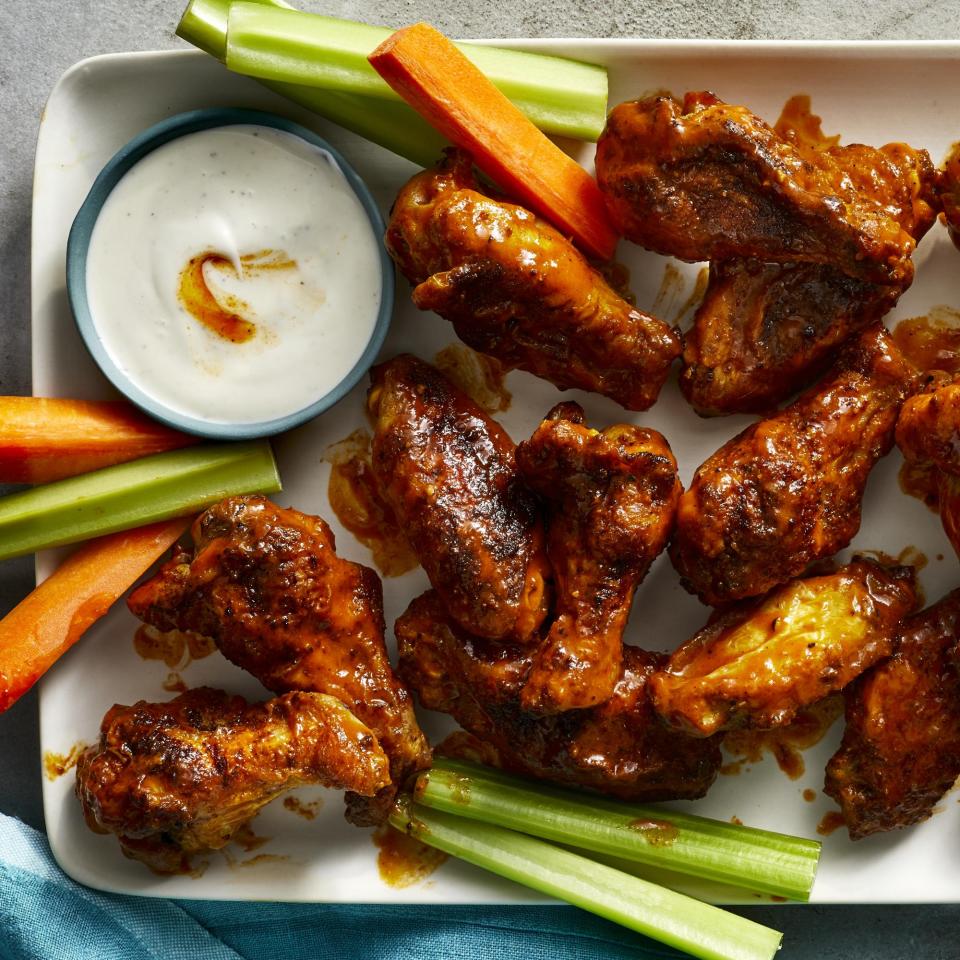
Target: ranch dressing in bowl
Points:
(233, 276)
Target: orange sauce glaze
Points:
(174, 647)
(355, 499)
(402, 860)
(931, 342)
(224, 314)
(658, 833)
(801, 126)
(785, 743)
(57, 764)
(829, 822)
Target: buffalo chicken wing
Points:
(901, 747)
(179, 778)
(448, 472)
(515, 289)
(707, 180)
(787, 490)
(760, 662)
(265, 583)
(618, 748)
(611, 498)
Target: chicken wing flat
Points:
(787, 490)
(707, 180)
(448, 472)
(265, 583)
(618, 748)
(757, 664)
(611, 498)
(901, 747)
(516, 289)
(765, 330)
(178, 778)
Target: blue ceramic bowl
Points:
(79, 242)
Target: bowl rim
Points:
(78, 244)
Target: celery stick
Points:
(133, 494)
(563, 97)
(391, 124)
(758, 860)
(682, 922)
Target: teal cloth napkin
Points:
(44, 915)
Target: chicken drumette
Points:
(760, 662)
(950, 187)
(179, 778)
(448, 472)
(266, 584)
(518, 290)
(707, 180)
(901, 747)
(787, 490)
(618, 748)
(611, 498)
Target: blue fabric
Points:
(44, 915)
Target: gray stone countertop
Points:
(44, 37)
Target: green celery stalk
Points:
(133, 494)
(758, 860)
(700, 929)
(561, 96)
(391, 124)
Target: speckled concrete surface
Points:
(43, 37)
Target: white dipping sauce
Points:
(252, 195)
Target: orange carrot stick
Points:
(441, 84)
(48, 439)
(42, 627)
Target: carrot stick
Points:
(42, 627)
(45, 439)
(441, 84)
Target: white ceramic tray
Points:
(101, 103)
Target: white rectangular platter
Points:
(99, 104)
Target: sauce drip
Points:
(918, 478)
(57, 764)
(785, 743)
(355, 499)
(175, 648)
(302, 808)
(223, 314)
(931, 342)
(829, 822)
(480, 377)
(801, 126)
(809, 795)
(658, 833)
(667, 303)
(402, 860)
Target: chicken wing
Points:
(765, 330)
(618, 748)
(265, 583)
(758, 663)
(516, 289)
(449, 474)
(901, 747)
(707, 180)
(611, 497)
(178, 778)
(787, 490)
